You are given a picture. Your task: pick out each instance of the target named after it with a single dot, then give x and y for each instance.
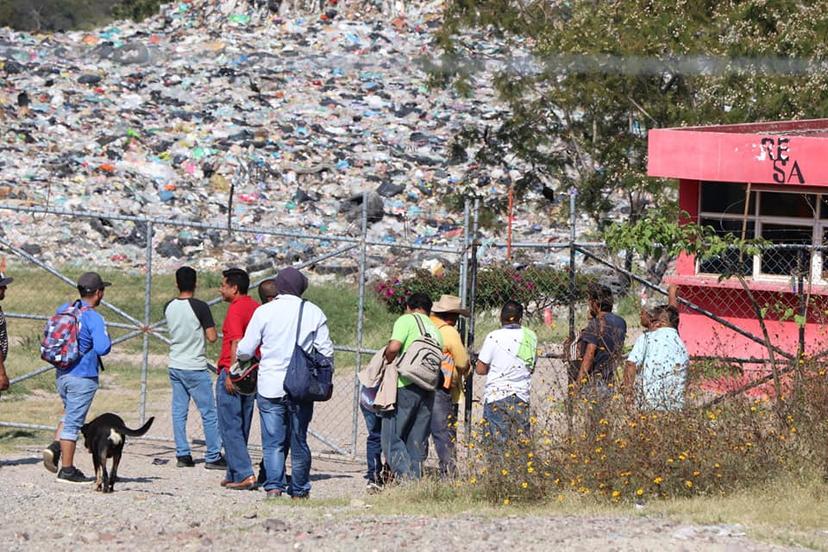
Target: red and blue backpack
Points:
(60, 346)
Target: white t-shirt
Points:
(508, 374)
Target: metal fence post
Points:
(142, 408)
(572, 284)
(360, 320)
(464, 257)
(467, 408)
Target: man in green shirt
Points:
(405, 430)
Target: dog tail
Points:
(137, 432)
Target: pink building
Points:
(785, 167)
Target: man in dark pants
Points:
(235, 411)
(444, 314)
(373, 449)
(405, 430)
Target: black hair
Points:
(267, 290)
(419, 301)
(237, 277)
(511, 313)
(185, 278)
(601, 295)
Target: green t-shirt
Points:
(406, 331)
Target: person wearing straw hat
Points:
(445, 313)
(4, 336)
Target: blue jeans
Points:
(373, 445)
(196, 385)
(507, 420)
(77, 394)
(285, 426)
(405, 431)
(235, 414)
(444, 430)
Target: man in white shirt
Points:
(507, 359)
(284, 422)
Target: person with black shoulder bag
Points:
(284, 329)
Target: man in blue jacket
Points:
(78, 383)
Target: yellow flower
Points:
(524, 485)
(506, 501)
(603, 421)
(639, 491)
(616, 494)
(530, 469)
(696, 473)
(530, 455)
(504, 471)
(473, 480)
(658, 480)
(688, 484)
(561, 498)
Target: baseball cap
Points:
(91, 281)
(5, 281)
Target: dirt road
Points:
(157, 506)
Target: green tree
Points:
(603, 72)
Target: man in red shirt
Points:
(235, 411)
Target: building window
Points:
(782, 218)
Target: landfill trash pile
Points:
(217, 106)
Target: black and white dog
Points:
(104, 438)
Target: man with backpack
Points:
(405, 430)
(74, 341)
(278, 327)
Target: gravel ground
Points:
(157, 506)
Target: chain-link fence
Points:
(135, 382)
(742, 333)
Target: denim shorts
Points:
(76, 394)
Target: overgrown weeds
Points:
(615, 453)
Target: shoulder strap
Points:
(420, 325)
(299, 324)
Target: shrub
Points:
(535, 287)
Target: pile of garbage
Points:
(225, 112)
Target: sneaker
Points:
(184, 461)
(220, 464)
(51, 456)
(71, 475)
(373, 487)
(300, 497)
(273, 494)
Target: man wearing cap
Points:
(78, 383)
(444, 314)
(4, 336)
(278, 327)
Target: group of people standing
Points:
(400, 412)
(267, 331)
